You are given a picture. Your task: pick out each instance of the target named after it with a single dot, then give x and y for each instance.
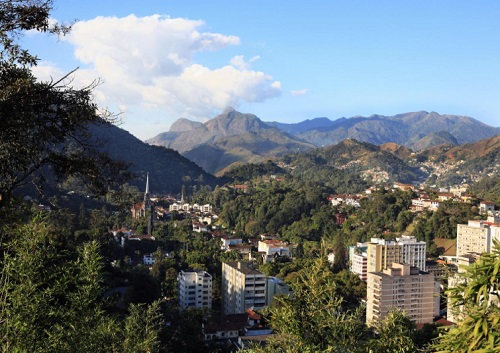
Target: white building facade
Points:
(242, 288)
(194, 289)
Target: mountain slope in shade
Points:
(307, 125)
(251, 147)
(166, 167)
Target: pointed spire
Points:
(146, 193)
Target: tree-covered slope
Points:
(168, 170)
(355, 158)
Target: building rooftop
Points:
(243, 268)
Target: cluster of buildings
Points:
(201, 214)
(396, 270)
(244, 289)
(398, 275)
(474, 239)
(396, 278)
(268, 247)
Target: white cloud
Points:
(47, 71)
(149, 62)
(299, 92)
(240, 63)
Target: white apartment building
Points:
(194, 289)
(359, 265)
(186, 207)
(242, 288)
(477, 236)
(358, 260)
(406, 249)
(403, 287)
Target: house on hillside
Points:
(486, 206)
(402, 186)
(200, 227)
(271, 248)
(228, 241)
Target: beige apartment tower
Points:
(242, 288)
(403, 287)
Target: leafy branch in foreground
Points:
(476, 301)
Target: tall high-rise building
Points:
(403, 287)
(381, 253)
(476, 237)
(194, 289)
(242, 288)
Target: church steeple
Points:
(146, 193)
(149, 207)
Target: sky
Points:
(155, 61)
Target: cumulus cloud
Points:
(150, 62)
(240, 63)
(299, 92)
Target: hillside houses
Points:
(345, 199)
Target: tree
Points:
(394, 334)
(476, 300)
(142, 329)
(312, 320)
(44, 124)
(51, 297)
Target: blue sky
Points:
(160, 60)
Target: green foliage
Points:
(487, 188)
(292, 209)
(442, 223)
(142, 329)
(476, 301)
(313, 318)
(52, 297)
(250, 171)
(384, 211)
(394, 334)
(44, 124)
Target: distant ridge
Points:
(404, 129)
(234, 137)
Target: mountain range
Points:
(232, 138)
(237, 138)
